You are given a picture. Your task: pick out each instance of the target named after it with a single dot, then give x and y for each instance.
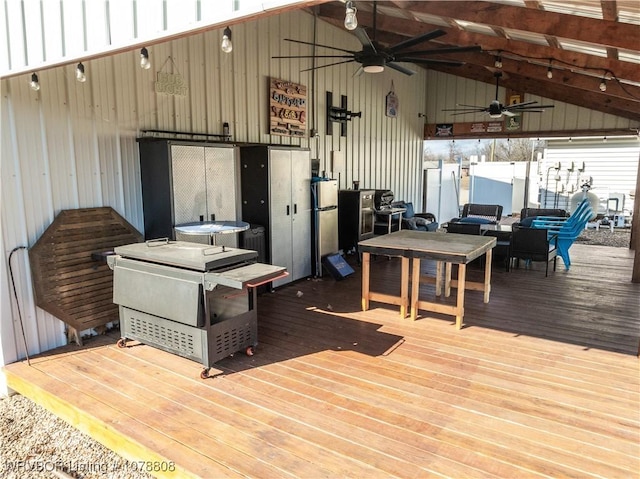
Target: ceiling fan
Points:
(374, 57)
(497, 109)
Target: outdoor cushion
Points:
(476, 220)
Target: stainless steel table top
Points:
(212, 227)
(195, 256)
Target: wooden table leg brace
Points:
(368, 295)
(458, 309)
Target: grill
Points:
(193, 300)
(382, 199)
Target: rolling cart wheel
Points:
(122, 343)
(204, 374)
(250, 351)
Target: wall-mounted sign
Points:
(170, 84)
(287, 108)
(512, 123)
(392, 103)
(444, 129)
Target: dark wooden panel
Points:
(68, 282)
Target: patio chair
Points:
(527, 215)
(478, 213)
(533, 244)
(415, 221)
(566, 230)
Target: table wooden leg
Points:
(415, 287)
(438, 278)
(366, 266)
(404, 287)
(462, 271)
(487, 276)
(447, 280)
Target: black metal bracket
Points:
(339, 114)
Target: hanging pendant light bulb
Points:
(549, 72)
(498, 62)
(350, 20)
(34, 83)
(145, 64)
(603, 84)
(80, 76)
(226, 46)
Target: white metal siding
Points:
(613, 165)
(73, 145)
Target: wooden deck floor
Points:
(541, 382)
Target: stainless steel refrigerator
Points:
(324, 195)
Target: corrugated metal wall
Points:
(73, 145)
(50, 32)
(446, 91)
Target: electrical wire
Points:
(15, 294)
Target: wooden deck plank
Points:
(528, 388)
(152, 412)
(341, 373)
(115, 430)
(214, 412)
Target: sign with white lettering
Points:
(287, 108)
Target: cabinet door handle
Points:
(287, 210)
(295, 208)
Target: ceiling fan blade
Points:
(318, 45)
(525, 108)
(467, 110)
(400, 68)
(325, 66)
(465, 113)
(315, 56)
(415, 40)
(359, 71)
(508, 113)
(472, 106)
(520, 105)
(429, 61)
(361, 34)
(435, 51)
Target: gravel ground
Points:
(619, 237)
(32, 440)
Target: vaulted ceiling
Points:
(583, 42)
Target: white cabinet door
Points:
(301, 220)
(281, 211)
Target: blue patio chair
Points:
(566, 230)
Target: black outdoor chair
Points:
(533, 244)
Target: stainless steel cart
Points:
(193, 300)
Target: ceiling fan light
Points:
(373, 68)
(350, 19)
(495, 115)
